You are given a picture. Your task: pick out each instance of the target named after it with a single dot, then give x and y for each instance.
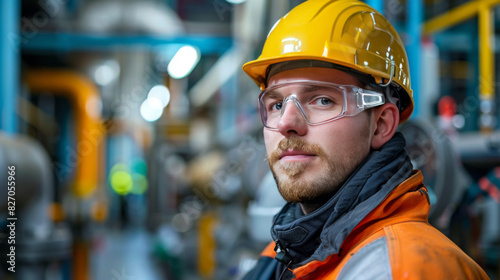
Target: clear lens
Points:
(318, 102)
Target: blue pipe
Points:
(414, 46)
(377, 5)
(10, 37)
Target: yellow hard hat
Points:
(347, 33)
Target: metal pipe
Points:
(88, 161)
(85, 101)
(10, 15)
(40, 241)
(415, 16)
(377, 5)
(33, 177)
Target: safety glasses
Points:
(318, 102)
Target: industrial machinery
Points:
(431, 150)
(35, 245)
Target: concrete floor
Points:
(125, 254)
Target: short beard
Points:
(313, 190)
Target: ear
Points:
(385, 122)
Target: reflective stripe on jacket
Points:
(394, 241)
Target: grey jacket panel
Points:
(371, 263)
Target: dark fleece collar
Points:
(304, 238)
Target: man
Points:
(336, 84)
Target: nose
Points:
(292, 122)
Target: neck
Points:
(309, 207)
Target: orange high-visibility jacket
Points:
(394, 241)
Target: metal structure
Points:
(483, 9)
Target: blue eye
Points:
(277, 106)
(325, 101)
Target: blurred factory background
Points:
(137, 145)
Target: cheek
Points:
(350, 135)
(269, 141)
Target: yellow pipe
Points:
(451, 18)
(85, 101)
(486, 55)
(456, 15)
(81, 260)
(207, 246)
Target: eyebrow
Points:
(302, 89)
(274, 94)
(311, 88)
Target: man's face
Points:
(310, 163)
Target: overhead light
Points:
(183, 62)
(106, 72)
(162, 93)
(151, 109)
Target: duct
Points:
(129, 16)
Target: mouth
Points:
(293, 151)
(296, 155)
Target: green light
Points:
(118, 167)
(139, 166)
(140, 184)
(121, 182)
